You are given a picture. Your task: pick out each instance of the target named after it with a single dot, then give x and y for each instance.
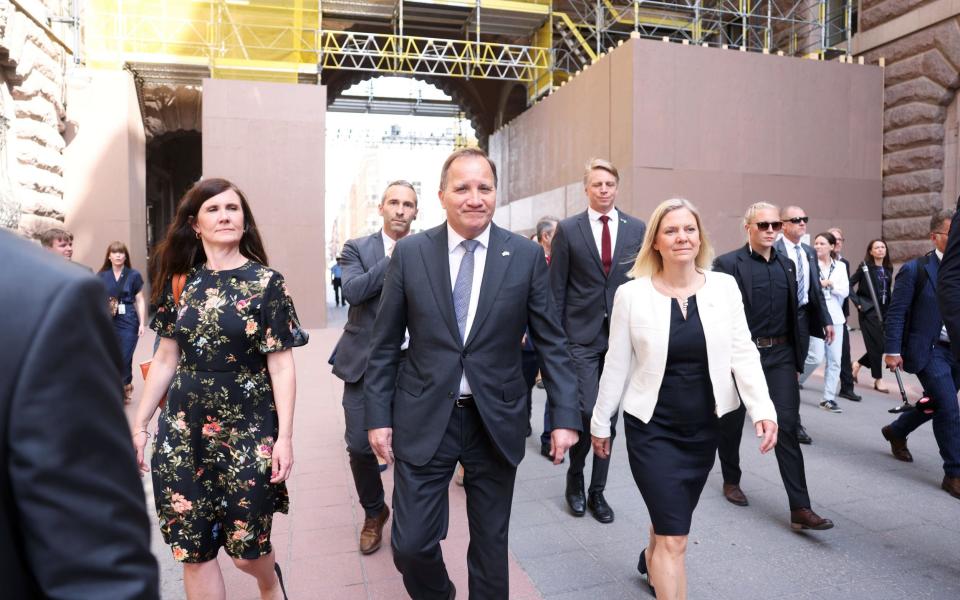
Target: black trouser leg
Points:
(780, 370)
(421, 512)
(846, 368)
(363, 462)
(731, 432)
(588, 362)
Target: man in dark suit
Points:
(73, 522)
(846, 370)
(364, 265)
(466, 290)
(812, 316)
(591, 254)
(948, 284)
(916, 340)
(768, 283)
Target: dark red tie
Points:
(606, 256)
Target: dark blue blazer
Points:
(913, 322)
(948, 286)
(416, 396)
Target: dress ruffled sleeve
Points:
(279, 324)
(165, 320)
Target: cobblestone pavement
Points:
(897, 534)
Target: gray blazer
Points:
(364, 266)
(417, 398)
(584, 295)
(73, 523)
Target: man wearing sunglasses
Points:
(812, 316)
(768, 284)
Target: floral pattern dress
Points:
(212, 456)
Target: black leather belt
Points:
(944, 344)
(465, 401)
(768, 342)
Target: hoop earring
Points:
(198, 235)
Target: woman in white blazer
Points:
(678, 343)
(835, 283)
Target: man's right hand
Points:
(381, 441)
(560, 441)
(893, 361)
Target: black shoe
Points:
(802, 436)
(576, 499)
(642, 567)
(850, 395)
(599, 508)
(276, 567)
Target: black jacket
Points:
(73, 521)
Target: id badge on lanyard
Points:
(121, 309)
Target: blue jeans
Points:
(940, 380)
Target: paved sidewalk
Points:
(897, 533)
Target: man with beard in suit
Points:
(364, 264)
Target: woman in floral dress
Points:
(223, 447)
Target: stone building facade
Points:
(33, 64)
(919, 41)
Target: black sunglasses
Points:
(769, 225)
(798, 220)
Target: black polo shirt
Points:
(767, 313)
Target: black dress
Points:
(212, 456)
(671, 456)
(882, 279)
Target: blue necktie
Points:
(463, 285)
(801, 280)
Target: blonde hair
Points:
(603, 165)
(756, 207)
(649, 262)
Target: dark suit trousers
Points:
(363, 462)
(588, 361)
(846, 368)
(940, 379)
(421, 512)
(873, 340)
(780, 372)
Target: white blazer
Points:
(637, 354)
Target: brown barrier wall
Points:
(720, 127)
(268, 138)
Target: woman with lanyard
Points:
(881, 272)
(124, 287)
(836, 285)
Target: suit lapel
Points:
(497, 261)
(436, 262)
(623, 231)
(583, 222)
(378, 247)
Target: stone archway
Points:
(921, 79)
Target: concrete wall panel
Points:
(268, 138)
(720, 127)
(105, 167)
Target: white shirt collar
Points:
(939, 255)
(454, 238)
(595, 215)
(791, 245)
(388, 242)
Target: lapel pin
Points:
(505, 253)
(624, 221)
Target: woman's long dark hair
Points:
(116, 247)
(868, 258)
(181, 250)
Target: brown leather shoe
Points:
(734, 494)
(898, 446)
(951, 485)
(804, 518)
(372, 533)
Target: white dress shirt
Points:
(803, 265)
(596, 226)
(479, 261)
(839, 289)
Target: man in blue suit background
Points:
(916, 340)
